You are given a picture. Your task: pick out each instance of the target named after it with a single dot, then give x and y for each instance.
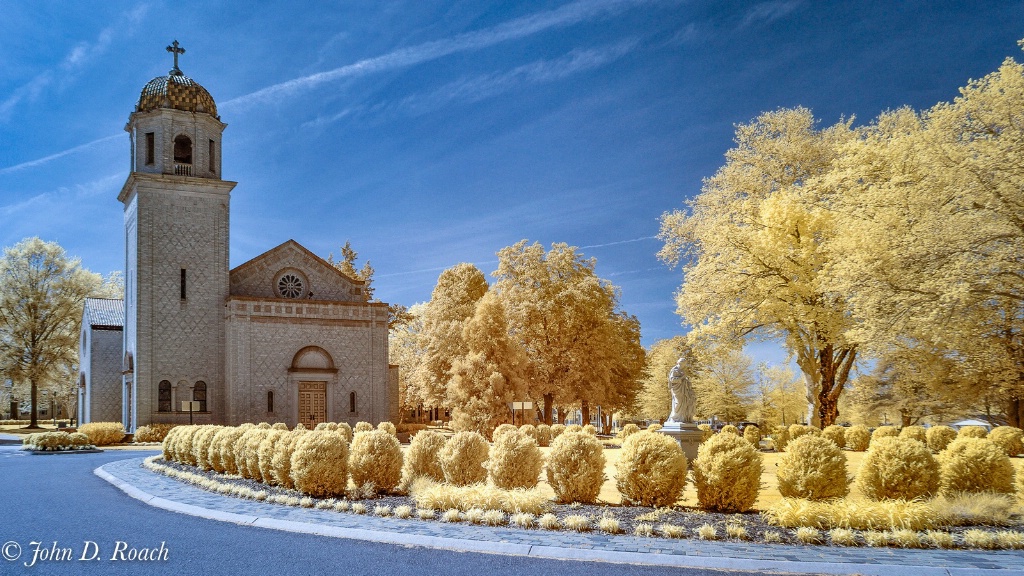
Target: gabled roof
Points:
(278, 251)
(259, 276)
(104, 313)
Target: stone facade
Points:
(99, 391)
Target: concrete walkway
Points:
(163, 492)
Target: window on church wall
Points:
(352, 402)
(213, 157)
(270, 401)
(164, 396)
(199, 395)
(182, 149)
(290, 286)
(184, 283)
(150, 148)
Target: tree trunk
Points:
(585, 411)
(549, 400)
(33, 422)
(835, 370)
(1015, 412)
(561, 415)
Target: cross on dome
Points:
(175, 49)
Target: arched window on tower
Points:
(352, 402)
(270, 401)
(199, 395)
(164, 391)
(182, 155)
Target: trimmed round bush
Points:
(80, 441)
(298, 427)
(375, 459)
(858, 438)
(422, 457)
(346, 431)
(898, 469)
(939, 437)
(515, 461)
(1010, 439)
(651, 470)
(328, 426)
(263, 425)
(319, 464)
(576, 467)
(705, 432)
(265, 454)
(152, 432)
(529, 429)
(727, 474)
(574, 428)
(590, 429)
(543, 435)
(813, 468)
(462, 458)
(279, 426)
(653, 427)
(201, 446)
(556, 431)
(884, 432)
(835, 433)
(502, 429)
(222, 448)
(729, 429)
(388, 427)
(627, 431)
(182, 445)
(363, 427)
(752, 434)
(972, 432)
(103, 433)
(281, 462)
(780, 438)
(798, 430)
(915, 433)
(975, 465)
(248, 455)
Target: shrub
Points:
(752, 434)
(898, 469)
(972, 432)
(222, 448)
(530, 430)
(727, 474)
(627, 431)
(279, 426)
(462, 458)
(651, 470)
(915, 433)
(653, 427)
(103, 433)
(319, 464)
(858, 438)
(281, 462)
(247, 452)
(346, 431)
(363, 427)
(938, 437)
(729, 429)
(431, 496)
(813, 468)
(543, 435)
(556, 431)
(326, 426)
(590, 429)
(265, 454)
(502, 429)
(421, 458)
(798, 430)
(55, 441)
(1010, 439)
(780, 438)
(152, 432)
(835, 433)
(705, 432)
(975, 465)
(388, 427)
(574, 428)
(201, 446)
(515, 461)
(576, 467)
(375, 458)
(181, 445)
(884, 432)
(80, 441)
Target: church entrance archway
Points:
(312, 403)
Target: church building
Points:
(284, 337)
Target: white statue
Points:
(684, 400)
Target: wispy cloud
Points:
(616, 243)
(567, 15)
(61, 198)
(45, 159)
(768, 12)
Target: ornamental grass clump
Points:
(972, 432)
(835, 433)
(422, 457)
(915, 433)
(543, 435)
(375, 458)
(1010, 439)
(281, 463)
(515, 461)
(651, 470)
(319, 464)
(813, 468)
(898, 469)
(727, 474)
(103, 433)
(939, 437)
(752, 434)
(975, 465)
(858, 438)
(462, 458)
(434, 496)
(576, 467)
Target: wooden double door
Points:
(312, 403)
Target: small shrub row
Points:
(103, 433)
(56, 441)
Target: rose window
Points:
(290, 286)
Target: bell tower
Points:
(176, 254)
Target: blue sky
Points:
(432, 133)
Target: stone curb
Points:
(547, 552)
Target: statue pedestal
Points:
(687, 435)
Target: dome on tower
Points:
(176, 91)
